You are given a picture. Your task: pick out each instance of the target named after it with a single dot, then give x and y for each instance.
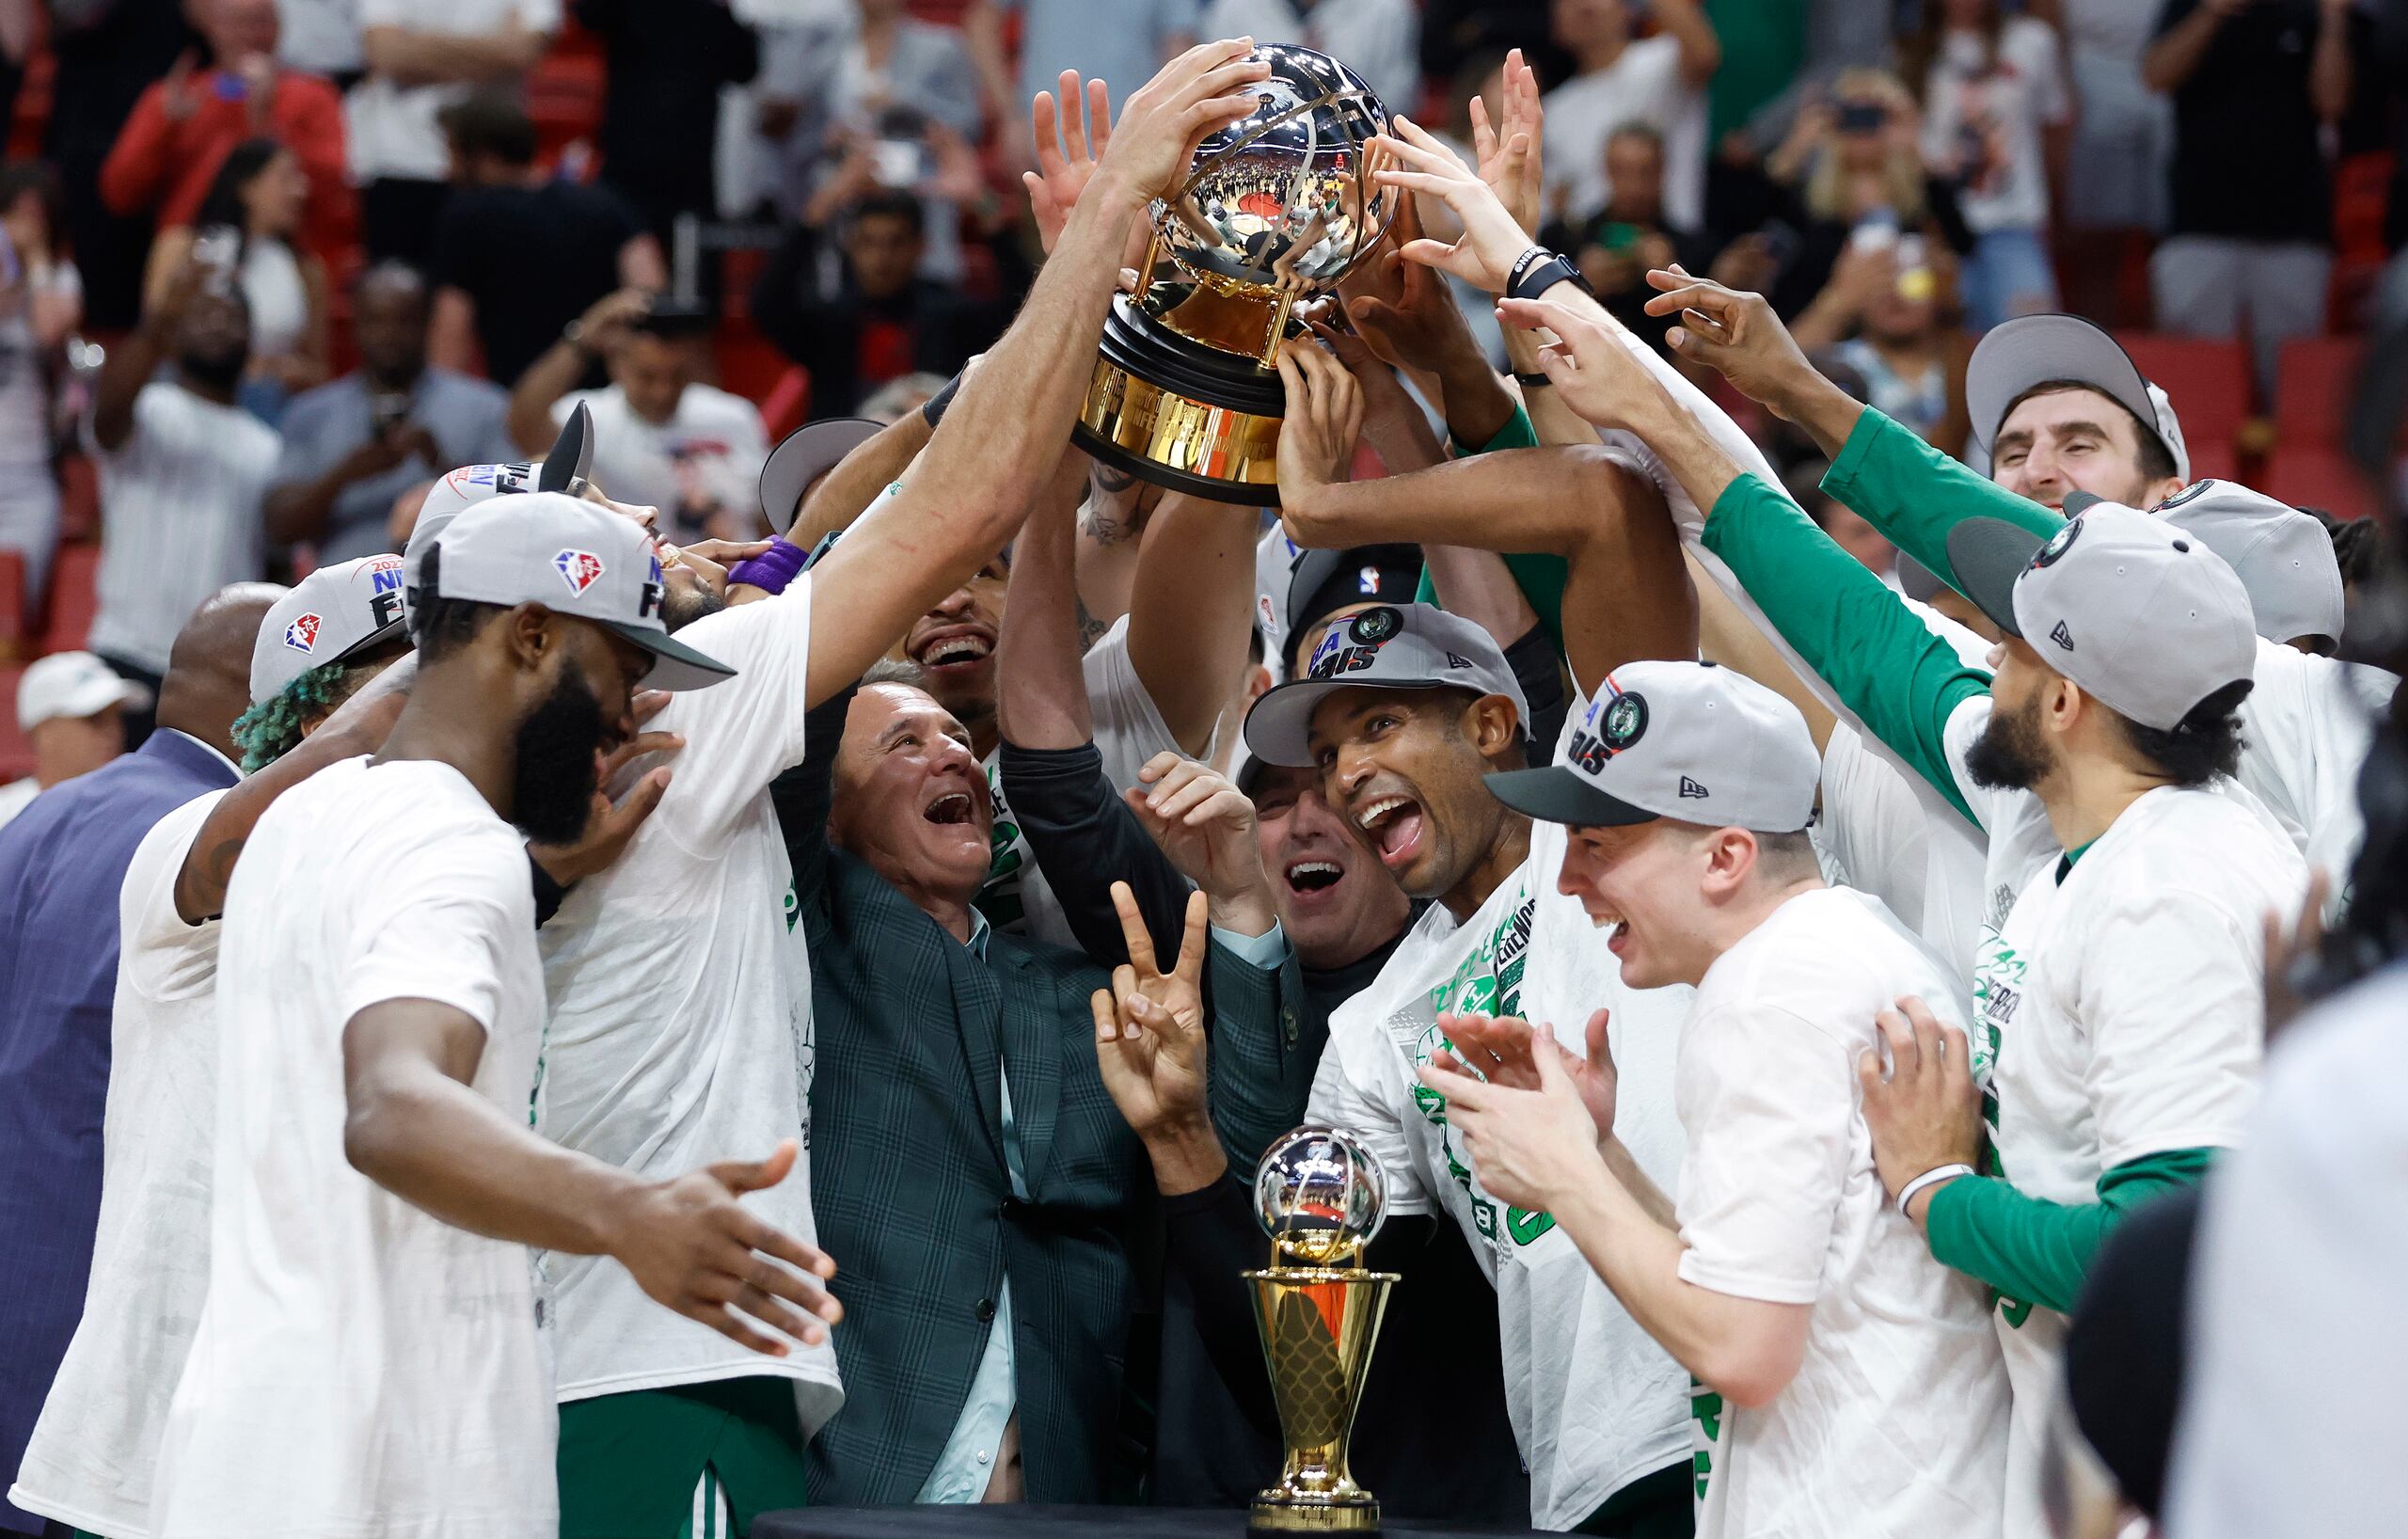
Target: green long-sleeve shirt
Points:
(1904, 683)
(1915, 493)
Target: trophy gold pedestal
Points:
(1321, 1196)
(1276, 209)
(1318, 1326)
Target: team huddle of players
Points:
(1783, 1034)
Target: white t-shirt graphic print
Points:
(361, 1368)
(1896, 1423)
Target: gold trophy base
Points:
(1318, 1325)
(1184, 416)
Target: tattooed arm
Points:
(1112, 522)
(358, 726)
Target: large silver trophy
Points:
(1277, 207)
(1320, 1196)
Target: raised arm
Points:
(969, 489)
(1191, 609)
(557, 370)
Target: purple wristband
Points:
(771, 570)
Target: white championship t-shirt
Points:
(2122, 1013)
(681, 1014)
(92, 1453)
(180, 517)
(1595, 1403)
(1892, 835)
(1642, 85)
(709, 452)
(2307, 724)
(1896, 1423)
(1129, 732)
(361, 1367)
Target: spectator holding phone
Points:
(41, 299)
(1632, 233)
(246, 233)
(1998, 113)
(354, 445)
(1888, 313)
(167, 156)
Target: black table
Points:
(1019, 1522)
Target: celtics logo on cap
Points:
(2059, 543)
(1625, 721)
(1373, 627)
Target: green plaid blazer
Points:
(909, 1185)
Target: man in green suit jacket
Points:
(969, 1169)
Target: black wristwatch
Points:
(1540, 270)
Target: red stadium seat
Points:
(79, 498)
(2214, 460)
(750, 364)
(2312, 476)
(16, 755)
(73, 598)
(2208, 380)
(787, 405)
(15, 604)
(2312, 389)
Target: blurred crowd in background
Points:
(400, 237)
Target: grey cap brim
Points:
(1556, 795)
(1918, 581)
(2028, 350)
(675, 665)
(567, 466)
(1279, 730)
(802, 457)
(1988, 554)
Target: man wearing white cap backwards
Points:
(1814, 1319)
(2120, 974)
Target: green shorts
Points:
(696, 1461)
(1656, 1507)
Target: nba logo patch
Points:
(577, 568)
(302, 634)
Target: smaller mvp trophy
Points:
(1276, 208)
(1320, 1196)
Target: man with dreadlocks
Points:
(321, 693)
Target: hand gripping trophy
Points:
(1320, 1196)
(1277, 207)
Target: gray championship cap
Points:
(2283, 557)
(563, 470)
(574, 558)
(2028, 350)
(333, 616)
(802, 457)
(1684, 741)
(2147, 618)
(1394, 646)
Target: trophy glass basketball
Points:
(1276, 208)
(1320, 1196)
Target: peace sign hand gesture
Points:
(1149, 1030)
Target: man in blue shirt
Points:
(61, 864)
(353, 446)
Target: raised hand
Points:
(1203, 89)
(1502, 1050)
(1071, 140)
(1492, 240)
(1149, 1030)
(1594, 367)
(1324, 421)
(1526, 1147)
(1205, 826)
(1735, 334)
(694, 1248)
(610, 826)
(1507, 152)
